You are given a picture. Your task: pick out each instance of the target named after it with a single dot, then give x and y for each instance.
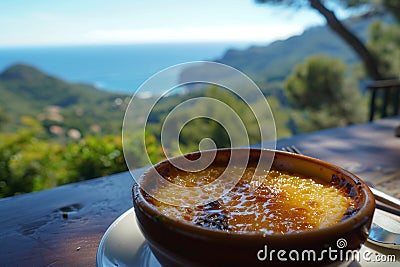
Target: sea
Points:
(115, 68)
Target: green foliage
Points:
(316, 79)
(3, 118)
(240, 108)
(211, 123)
(321, 96)
(281, 115)
(29, 161)
(94, 157)
(143, 152)
(384, 42)
(393, 6)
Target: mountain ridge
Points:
(275, 61)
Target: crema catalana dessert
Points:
(281, 203)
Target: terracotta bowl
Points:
(178, 243)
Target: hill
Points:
(26, 90)
(276, 60)
(269, 65)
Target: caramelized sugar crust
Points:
(282, 203)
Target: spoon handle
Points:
(385, 198)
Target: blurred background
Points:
(68, 70)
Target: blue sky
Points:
(53, 22)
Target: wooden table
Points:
(64, 225)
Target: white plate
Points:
(124, 245)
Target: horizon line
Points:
(54, 45)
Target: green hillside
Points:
(25, 90)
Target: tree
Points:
(385, 41)
(370, 62)
(321, 98)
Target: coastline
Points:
(112, 68)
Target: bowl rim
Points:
(366, 208)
